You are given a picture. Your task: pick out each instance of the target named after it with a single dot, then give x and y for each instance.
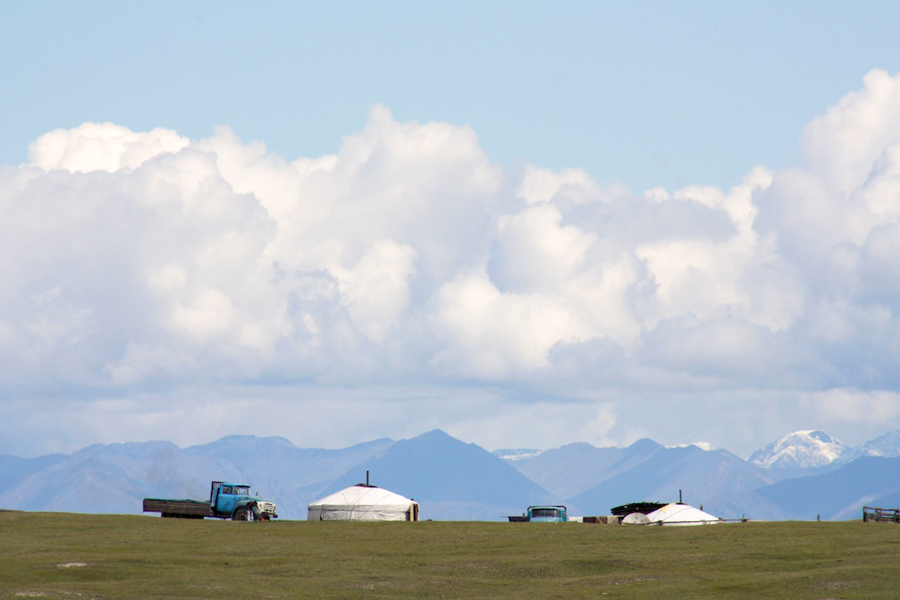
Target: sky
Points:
(525, 223)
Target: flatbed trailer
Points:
(185, 509)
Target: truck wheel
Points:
(242, 514)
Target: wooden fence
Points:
(881, 515)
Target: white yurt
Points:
(681, 514)
(635, 518)
(364, 503)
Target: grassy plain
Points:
(50, 555)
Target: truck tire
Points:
(243, 514)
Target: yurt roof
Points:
(635, 518)
(681, 514)
(361, 495)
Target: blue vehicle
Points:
(546, 514)
(226, 501)
(542, 514)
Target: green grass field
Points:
(44, 555)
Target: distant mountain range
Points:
(804, 475)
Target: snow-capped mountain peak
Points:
(705, 446)
(800, 449)
(516, 453)
(887, 446)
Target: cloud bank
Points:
(148, 265)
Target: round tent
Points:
(681, 514)
(364, 503)
(635, 518)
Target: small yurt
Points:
(681, 514)
(364, 503)
(635, 518)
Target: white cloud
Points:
(376, 291)
(102, 147)
(137, 260)
(491, 335)
(543, 185)
(844, 144)
(844, 405)
(533, 252)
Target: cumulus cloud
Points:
(102, 147)
(140, 261)
(843, 145)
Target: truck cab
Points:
(234, 501)
(546, 514)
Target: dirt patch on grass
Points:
(50, 594)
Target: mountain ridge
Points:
(456, 480)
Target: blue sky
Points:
(649, 93)
(374, 219)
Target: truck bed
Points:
(178, 508)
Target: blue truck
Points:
(542, 514)
(226, 501)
